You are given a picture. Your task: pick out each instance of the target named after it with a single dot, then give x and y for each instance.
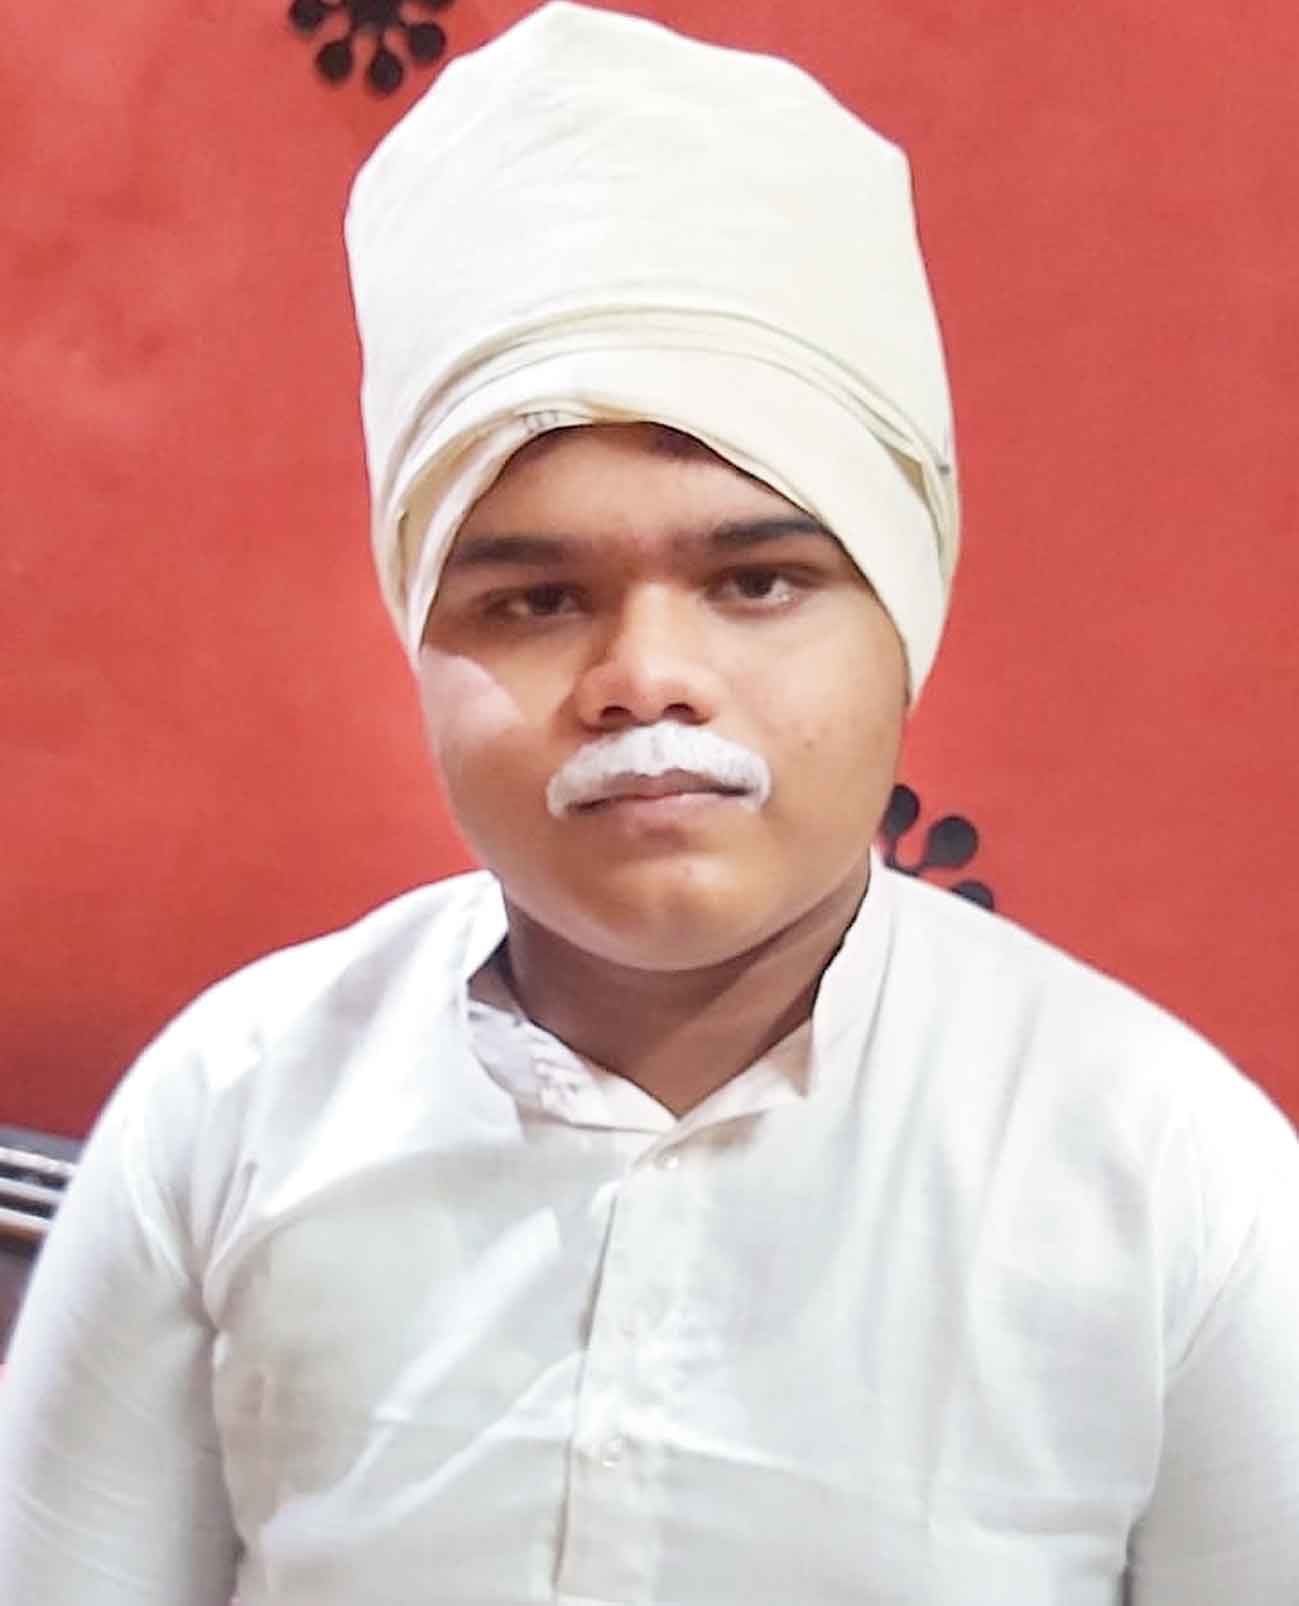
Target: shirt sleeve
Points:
(1223, 1524)
(111, 1486)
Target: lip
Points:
(673, 816)
(676, 786)
(657, 807)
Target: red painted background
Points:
(207, 739)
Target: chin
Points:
(685, 920)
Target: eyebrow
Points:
(530, 549)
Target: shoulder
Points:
(1087, 1056)
(340, 975)
(1086, 1101)
(432, 923)
(266, 1053)
(1003, 983)
(304, 1067)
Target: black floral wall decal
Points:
(950, 844)
(335, 60)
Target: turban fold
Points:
(594, 219)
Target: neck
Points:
(679, 1035)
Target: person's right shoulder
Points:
(303, 1061)
(286, 1021)
(278, 992)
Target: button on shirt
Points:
(981, 1288)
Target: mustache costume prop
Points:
(691, 757)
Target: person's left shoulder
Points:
(1065, 1031)
(1100, 1106)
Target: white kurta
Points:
(985, 1292)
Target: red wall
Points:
(208, 743)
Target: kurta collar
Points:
(546, 1075)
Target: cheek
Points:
(467, 711)
(845, 710)
(838, 722)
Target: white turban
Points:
(594, 219)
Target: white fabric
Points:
(592, 219)
(991, 1285)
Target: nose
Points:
(651, 663)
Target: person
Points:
(684, 1209)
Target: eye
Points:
(772, 588)
(549, 601)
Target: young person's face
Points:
(603, 583)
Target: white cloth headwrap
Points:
(594, 219)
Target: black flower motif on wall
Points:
(336, 59)
(950, 844)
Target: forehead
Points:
(658, 447)
(602, 476)
(624, 494)
(655, 440)
(619, 476)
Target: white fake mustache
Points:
(594, 772)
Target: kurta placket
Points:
(652, 1263)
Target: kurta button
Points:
(611, 1451)
(668, 1162)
